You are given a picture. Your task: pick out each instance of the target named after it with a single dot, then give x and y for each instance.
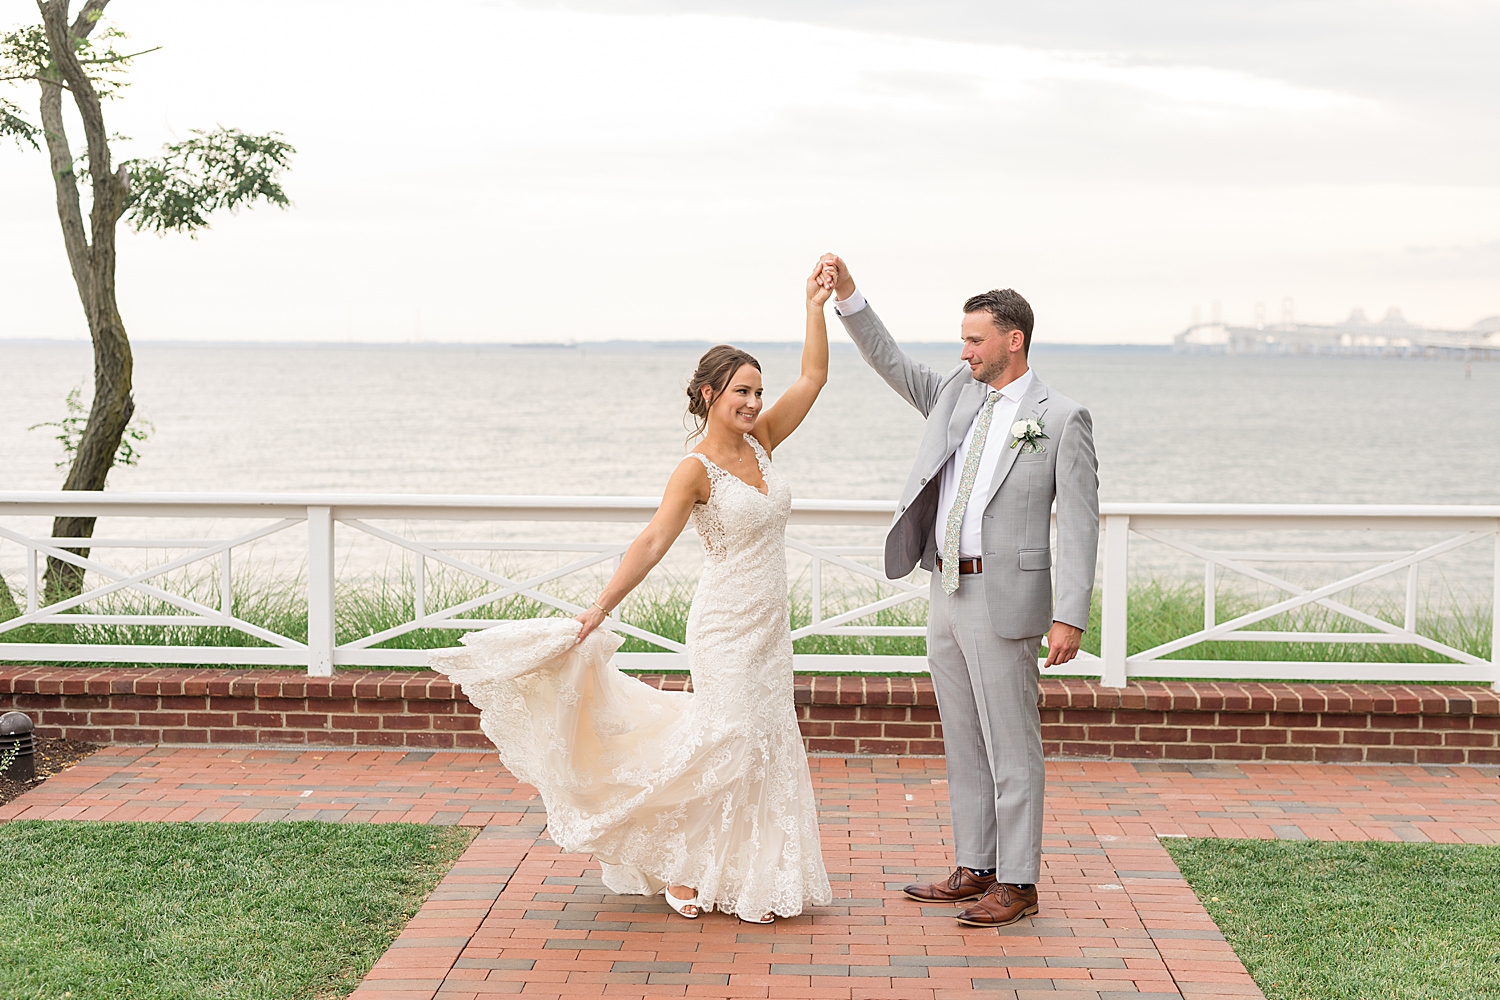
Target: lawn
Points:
(161, 911)
(1320, 920)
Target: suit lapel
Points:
(1033, 404)
(970, 402)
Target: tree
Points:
(175, 192)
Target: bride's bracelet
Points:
(601, 607)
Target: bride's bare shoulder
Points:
(691, 477)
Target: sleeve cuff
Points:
(853, 304)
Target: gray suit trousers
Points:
(992, 734)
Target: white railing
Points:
(324, 515)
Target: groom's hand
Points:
(819, 285)
(1062, 643)
(843, 282)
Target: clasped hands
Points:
(831, 275)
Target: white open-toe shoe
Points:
(682, 904)
(769, 918)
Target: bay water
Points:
(608, 420)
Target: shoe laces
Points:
(1003, 891)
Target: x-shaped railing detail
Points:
(838, 624)
(1461, 526)
(505, 587)
(1386, 632)
(202, 613)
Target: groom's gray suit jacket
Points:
(1017, 514)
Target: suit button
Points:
(922, 483)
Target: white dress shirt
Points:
(970, 544)
(853, 304)
(970, 541)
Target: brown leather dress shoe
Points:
(1002, 904)
(961, 885)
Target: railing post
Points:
(31, 584)
(1112, 625)
(226, 584)
(1412, 579)
(320, 591)
(1495, 616)
(1210, 594)
(419, 605)
(816, 614)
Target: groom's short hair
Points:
(1007, 309)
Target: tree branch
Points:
(222, 169)
(120, 58)
(32, 76)
(87, 18)
(13, 125)
(65, 184)
(108, 195)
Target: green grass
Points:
(913, 613)
(1354, 921)
(1158, 611)
(162, 911)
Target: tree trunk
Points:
(93, 264)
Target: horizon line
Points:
(549, 344)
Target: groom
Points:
(999, 448)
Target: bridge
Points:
(1391, 336)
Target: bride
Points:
(703, 797)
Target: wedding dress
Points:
(708, 789)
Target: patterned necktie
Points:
(961, 500)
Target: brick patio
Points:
(517, 916)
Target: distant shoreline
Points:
(611, 345)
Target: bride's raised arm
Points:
(688, 485)
(778, 422)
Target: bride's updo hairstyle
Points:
(715, 369)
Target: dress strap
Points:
(714, 472)
(762, 460)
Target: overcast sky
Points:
(511, 171)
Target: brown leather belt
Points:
(965, 566)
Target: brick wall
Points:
(1198, 720)
(889, 715)
(357, 708)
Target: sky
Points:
(515, 172)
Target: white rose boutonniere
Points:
(1029, 434)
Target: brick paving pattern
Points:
(515, 915)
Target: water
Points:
(608, 420)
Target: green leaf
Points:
(70, 433)
(221, 169)
(16, 127)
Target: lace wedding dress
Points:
(709, 789)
